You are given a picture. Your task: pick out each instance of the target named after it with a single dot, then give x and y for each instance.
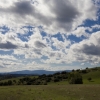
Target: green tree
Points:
(10, 82)
(89, 79)
(75, 78)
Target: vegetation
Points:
(89, 79)
(85, 76)
(50, 92)
(75, 78)
(58, 86)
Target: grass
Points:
(50, 92)
(95, 75)
(89, 90)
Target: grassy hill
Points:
(53, 87)
(94, 75)
(58, 78)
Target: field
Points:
(95, 75)
(59, 90)
(50, 92)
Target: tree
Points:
(75, 78)
(89, 79)
(63, 72)
(56, 80)
(84, 71)
(10, 82)
(14, 81)
(73, 70)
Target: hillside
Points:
(94, 75)
(85, 76)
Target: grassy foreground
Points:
(50, 92)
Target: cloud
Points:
(10, 40)
(54, 16)
(87, 50)
(59, 44)
(81, 31)
(33, 28)
(39, 44)
(96, 26)
(22, 8)
(7, 45)
(90, 46)
(91, 49)
(65, 12)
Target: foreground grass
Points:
(50, 92)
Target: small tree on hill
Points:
(10, 82)
(75, 78)
(89, 79)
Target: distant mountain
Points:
(35, 72)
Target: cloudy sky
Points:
(49, 34)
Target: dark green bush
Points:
(75, 78)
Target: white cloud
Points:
(60, 16)
(7, 57)
(96, 26)
(64, 17)
(87, 50)
(81, 31)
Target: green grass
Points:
(95, 75)
(50, 92)
(89, 90)
(59, 83)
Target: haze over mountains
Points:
(35, 72)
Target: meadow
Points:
(50, 92)
(56, 89)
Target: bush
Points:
(56, 80)
(84, 71)
(64, 72)
(10, 82)
(89, 79)
(75, 78)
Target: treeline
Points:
(10, 76)
(71, 77)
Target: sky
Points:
(49, 34)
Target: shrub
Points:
(10, 82)
(63, 72)
(89, 79)
(84, 71)
(75, 78)
(56, 80)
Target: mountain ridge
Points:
(36, 72)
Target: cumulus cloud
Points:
(91, 46)
(81, 31)
(10, 40)
(91, 49)
(7, 45)
(22, 8)
(96, 26)
(87, 50)
(33, 27)
(39, 44)
(53, 16)
(65, 11)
